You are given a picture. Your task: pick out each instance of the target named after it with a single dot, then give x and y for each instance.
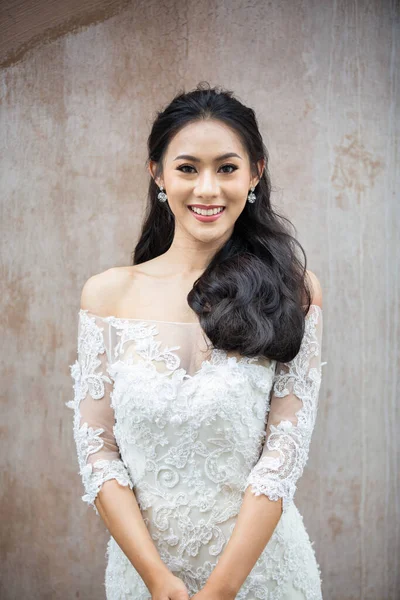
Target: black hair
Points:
(253, 295)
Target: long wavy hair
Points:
(253, 295)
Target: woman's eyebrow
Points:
(222, 157)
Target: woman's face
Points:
(196, 173)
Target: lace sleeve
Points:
(291, 418)
(98, 454)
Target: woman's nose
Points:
(207, 185)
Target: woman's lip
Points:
(205, 207)
(206, 218)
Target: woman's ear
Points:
(260, 169)
(152, 170)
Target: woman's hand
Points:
(169, 587)
(209, 593)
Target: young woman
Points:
(198, 374)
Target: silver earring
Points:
(251, 197)
(162, 196)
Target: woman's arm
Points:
(106, 479)
(255, 524)
(118, 507)
(272, 482)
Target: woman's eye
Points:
(182, 167)
(229, 167)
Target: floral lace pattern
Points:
(90, 381)
(285, 452)
(190, 444)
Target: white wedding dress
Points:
(188, 428)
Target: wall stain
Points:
(355, 169)
(336, 525)
(69, 24)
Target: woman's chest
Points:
(223, 389)
(163, 371)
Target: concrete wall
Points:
(80, 85)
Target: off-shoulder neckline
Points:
(138, 320)
(113, 318)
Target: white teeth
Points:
(211, 211)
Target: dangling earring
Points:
(251, 197)
(162, 196)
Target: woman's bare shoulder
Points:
(316, 289)
(101, 291)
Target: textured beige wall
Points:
(323, 78)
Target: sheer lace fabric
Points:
(98, 454)
(292, 415)
(189, 428)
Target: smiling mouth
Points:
(206, 212)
